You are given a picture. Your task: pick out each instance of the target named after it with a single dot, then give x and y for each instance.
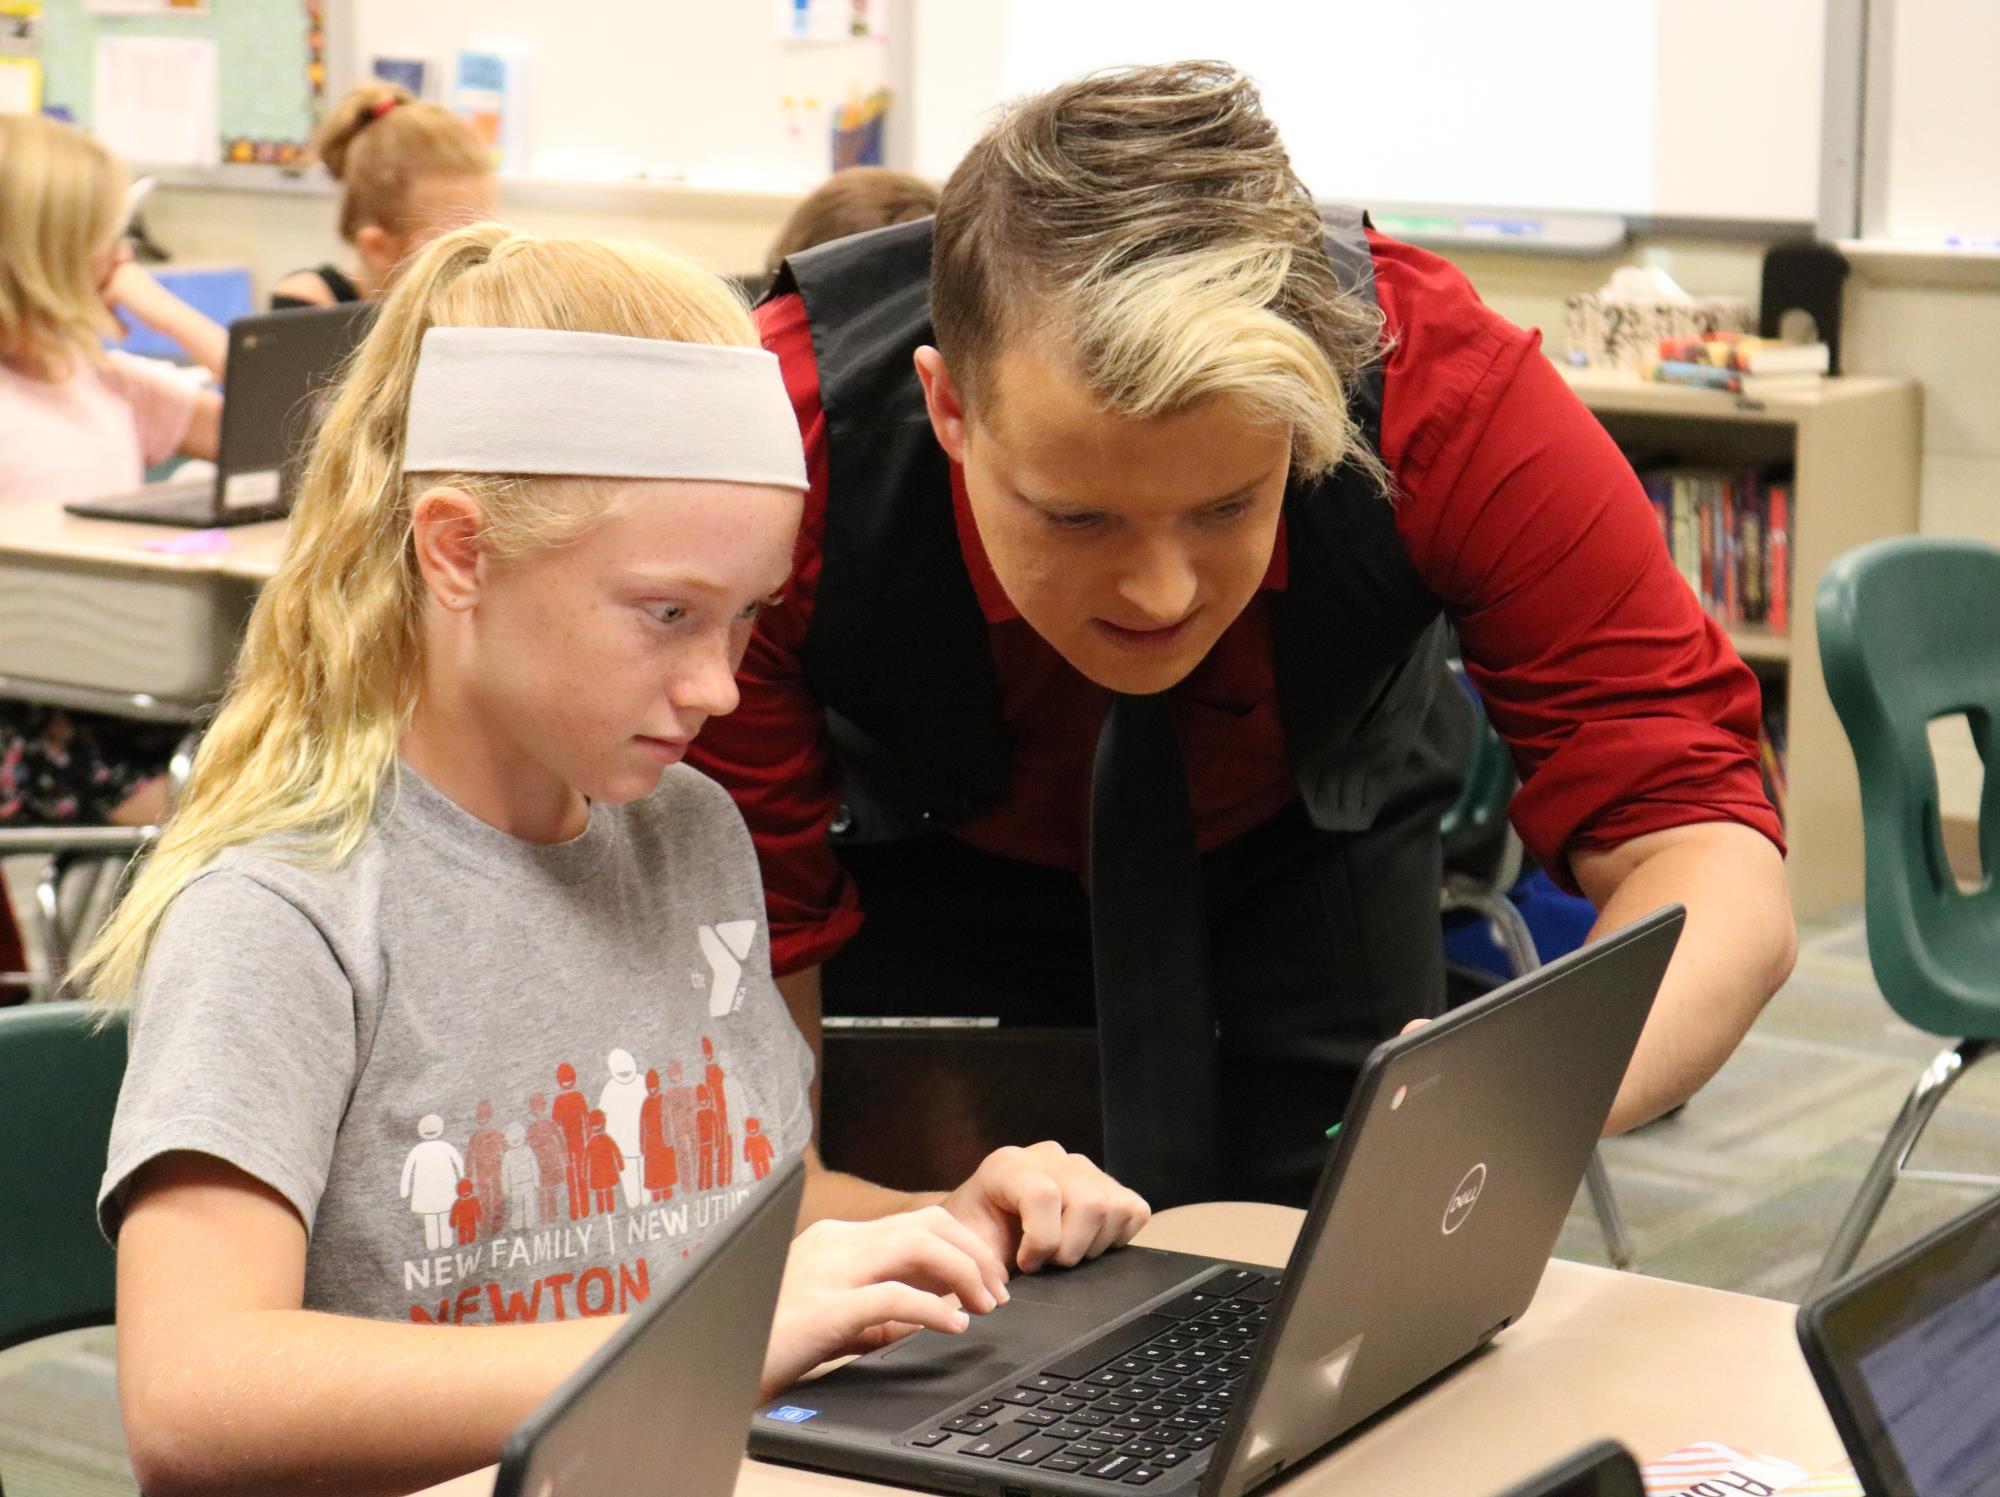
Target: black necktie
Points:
(1149, 944)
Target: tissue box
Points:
(1607, 333)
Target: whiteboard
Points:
(678, 90)
(1664, 108)
(1939, 119)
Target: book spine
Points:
(1778, 550)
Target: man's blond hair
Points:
(1148, 221)
(62, 201)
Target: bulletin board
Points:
(271, 64)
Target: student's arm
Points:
(204, 433)
(228, 1385)
(302, 288)
(134, 291)
(802, 997)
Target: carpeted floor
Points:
(1740, 1191)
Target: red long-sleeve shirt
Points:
(1623, 704)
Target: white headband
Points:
(591, 405)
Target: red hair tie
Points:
(383, 108)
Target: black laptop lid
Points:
(663, 1405)
(283, 369)
(1907, 1355)
(1605, 1469)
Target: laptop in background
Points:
(1907, 1356)
(661, 1406)
(281, 372)
(1461, 1151)
(1603, 1469)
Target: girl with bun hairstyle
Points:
(409, 171)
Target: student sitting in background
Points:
(409, 171)
(78, 420)
(852, 202)
(420, 883)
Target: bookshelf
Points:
(1854, 447)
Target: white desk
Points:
(1655, 1364)
(90, 604)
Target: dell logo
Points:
(1463, 1198)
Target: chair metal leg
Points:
(1938, 1078)
(1617, 1241)
(1518, 941)
(49, 921)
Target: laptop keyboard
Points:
(1138, 1401)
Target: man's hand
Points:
(1043, 1204)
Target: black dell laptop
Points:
(1907, 1356)
(660, 1406)
(1459, 1157)
(282, 371)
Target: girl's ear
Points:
(445, 529)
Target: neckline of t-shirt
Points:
(416, 805)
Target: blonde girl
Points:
(408, 171)
(441, 904)
(77, 420)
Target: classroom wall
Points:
(1942, 336)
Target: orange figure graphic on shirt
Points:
(570, 1114)
(482, 1165)
(465, 1214)
(725, 1148)
(710, 1134)
(681, 1131)
(603, 1164)
(662, 1172)
(756, 1150)
(551, 1158)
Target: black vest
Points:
(897, 652)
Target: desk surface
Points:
(1655, 1364)
(41, 529)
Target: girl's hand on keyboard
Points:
(1043, 1204)
(853, 1286)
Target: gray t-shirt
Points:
(498, 1080)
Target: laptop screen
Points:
(1908, 1356)
(1936, 1385)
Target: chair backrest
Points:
(59, 1082)
(1909, 631)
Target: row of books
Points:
(1743, 365)
(1729, 534)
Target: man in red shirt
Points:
(1130, 424)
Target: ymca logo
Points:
(725, 946)
(1464, 1198)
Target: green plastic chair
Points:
(1483, 857)
(1908, 633)
(59, 1084)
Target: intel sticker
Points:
(791, 1413)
